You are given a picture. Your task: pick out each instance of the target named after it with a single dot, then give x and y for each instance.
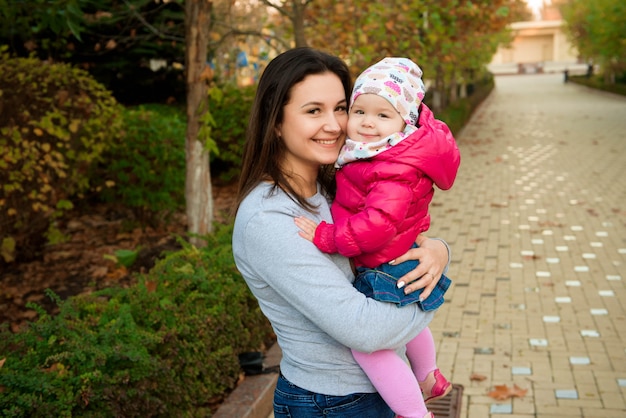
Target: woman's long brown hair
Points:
(264, 150)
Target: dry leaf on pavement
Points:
(475, 377)
(503, 392)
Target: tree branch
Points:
(152, 28)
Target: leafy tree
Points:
(294, 11)
(449, 39)
(115, 40)
(598, 29)
(27, 25)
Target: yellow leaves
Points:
(503, 392)
(7, 251)
(39, 207)
(38, 132)
(59, 368)
(74, 125)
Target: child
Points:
(394, 153)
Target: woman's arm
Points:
(296, 284)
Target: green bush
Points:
(145, 169)
(597, 82)
(457, 114)
(231, 115)
(55, 122)
(165, 347)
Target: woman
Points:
(296, 129)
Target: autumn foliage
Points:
(55, 122)
(451, 40)
(167, 346)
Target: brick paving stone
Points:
(536, 217)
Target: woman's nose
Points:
(333, 124)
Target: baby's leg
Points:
(394, 381)
(423, 357)
(421, 353)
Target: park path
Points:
(537, 225)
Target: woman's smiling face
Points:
(314, 124)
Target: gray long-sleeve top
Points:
(309, 298)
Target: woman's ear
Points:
(277, 131)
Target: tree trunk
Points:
(439, 95)
(198, 193)
(298, 22)
(454, 90)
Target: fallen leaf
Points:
(475, 377)
(503, 392)
(2, 362)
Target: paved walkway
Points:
(537, 225)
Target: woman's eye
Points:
(342, 109)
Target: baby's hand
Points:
(307, 227)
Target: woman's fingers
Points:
(433, 257)
(427, 283)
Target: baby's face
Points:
(373, 118)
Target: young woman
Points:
(296, 129)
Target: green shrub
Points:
(165, 347)
(55, 122)
(145, 169)
(231, 115)
(597, 82)
(457, 114)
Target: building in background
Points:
(538, 46)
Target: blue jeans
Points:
(291, 401)
(380, 283)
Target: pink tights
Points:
(396, 382)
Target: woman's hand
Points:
(433, 257)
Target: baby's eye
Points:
(358, 111)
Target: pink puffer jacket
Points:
(382, 203)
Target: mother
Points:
(296, 129)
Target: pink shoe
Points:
(440, 388)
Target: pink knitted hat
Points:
(399, 80)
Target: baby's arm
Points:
(307, 227)
(322, 235)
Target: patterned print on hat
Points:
(398, 80)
